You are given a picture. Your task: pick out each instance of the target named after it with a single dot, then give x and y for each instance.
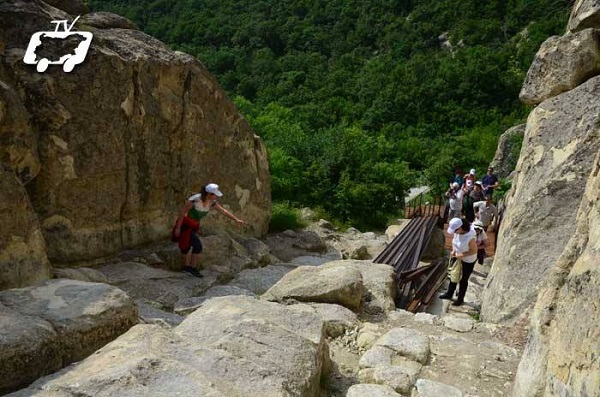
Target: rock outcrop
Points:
(231, 347)
(585, 14)
(110, 151)
(561, 139)
(549, 242)
(561, 356)
(49, 326)
(561, 64)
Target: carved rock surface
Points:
(122, 140)
(561, 140)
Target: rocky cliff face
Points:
(109, 152)
(549, 243)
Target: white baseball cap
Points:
(472, 172)
(214, 189)
(454, 224)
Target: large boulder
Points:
(561, 356)
(341, 284)
(585, 14)
(23, 259)
(291, 244)
(561, 64)
(230, 347)
(48, 326)
(561, 139)
(379, 283)
(29, 349)
(124, 139)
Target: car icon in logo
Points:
(68, 61)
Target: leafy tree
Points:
(358, 100)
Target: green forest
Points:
(357, 101)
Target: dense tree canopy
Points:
(359, 100)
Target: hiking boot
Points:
(192, 270)
(447, 295)
(458, 302)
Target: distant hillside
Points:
(357, 100)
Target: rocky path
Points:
(367, 347)
(423, 354)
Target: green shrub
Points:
(284, 216)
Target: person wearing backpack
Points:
(196, 207)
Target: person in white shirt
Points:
(481, 240)
(464, 247)
(486, 211)
(455, 199)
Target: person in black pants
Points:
(464, 247)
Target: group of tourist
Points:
(471, 213)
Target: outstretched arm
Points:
(228, 214)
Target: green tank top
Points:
(198, 211)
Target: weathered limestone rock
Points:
(392, 376)
(406, 342)
(429, 388)
(426, 318)
(107, 20)
(188, 305)
(337, 319)
(231, 347)
(81, 274)
(258, 281)
(370, 390)
(23, 258)
(561, 356)
(68, 319)
(585, 14)
(507, 153)
(561, 64)
(152, 315)
(18, 144)
(29, 349)
(159, 285)
(281, 351)
(258, 251)
(368, 335)
(147, 360)
(291, 244)
(124, 139)
(561, 139)
(378, 280)
(340, 284)
(458, 324)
